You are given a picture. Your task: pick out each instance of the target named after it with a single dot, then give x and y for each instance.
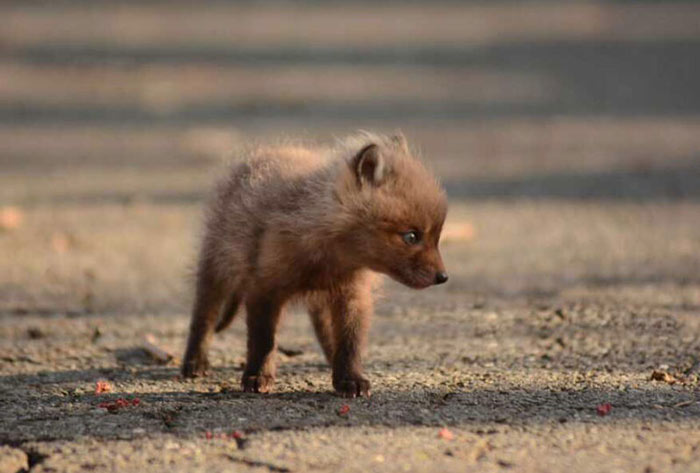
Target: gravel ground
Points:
(513, 357)
(566, 133)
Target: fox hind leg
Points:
(209, 297)
(229, 312)
(322, 321)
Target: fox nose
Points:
(441, 277)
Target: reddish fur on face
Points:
(312, 223)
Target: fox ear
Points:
(369, 166)
(400, 140)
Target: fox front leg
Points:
(262, 318)
(351, 310)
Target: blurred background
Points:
(566, 132)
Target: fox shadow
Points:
(36, 410)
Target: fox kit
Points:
(313, 225)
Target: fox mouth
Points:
(414, 285)
(419, 282)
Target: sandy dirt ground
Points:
(567, 136)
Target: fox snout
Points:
(423, 278)
(441, 276)
(434, 260)
(427, 269)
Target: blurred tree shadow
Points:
(671, 183)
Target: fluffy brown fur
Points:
(313, 224)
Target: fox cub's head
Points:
(396, 210)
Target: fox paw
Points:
(352, 386)
(257, 383)
(195, 366)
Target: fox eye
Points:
(411, 238)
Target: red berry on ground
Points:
(604, 409)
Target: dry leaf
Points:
(664, 376)
(684, 404)
(102, 386)
(157, 353)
